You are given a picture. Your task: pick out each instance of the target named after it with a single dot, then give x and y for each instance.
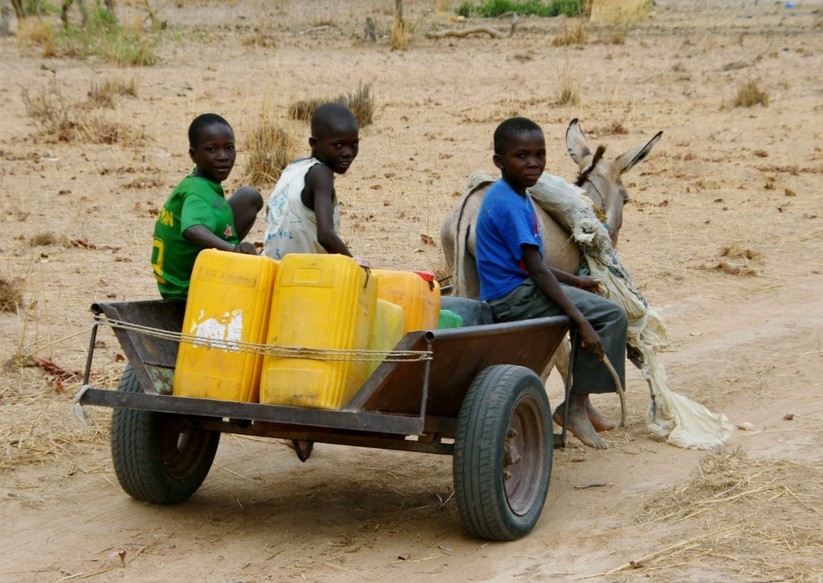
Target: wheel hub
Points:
(510, 454)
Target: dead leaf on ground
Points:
(52, 368)
(83, 244)
(119, 554)
(428, 240)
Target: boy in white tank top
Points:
(303, 212)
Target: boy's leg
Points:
(590, 375)
(245, 203)
(527, 302)
(609, 321)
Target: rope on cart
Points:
(272, 350)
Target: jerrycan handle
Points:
(366, 265)
(368, 275)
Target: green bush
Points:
(104, 37)
(491, 8)
(99, 34)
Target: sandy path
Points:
(722, 235)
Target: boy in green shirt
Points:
(197, 215)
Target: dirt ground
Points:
(723, 234)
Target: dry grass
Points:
(567, 94)
(573, 35)
(361, 102)
(567, 85)
(617, 35)
(260, 39)
(49, 434)
(303, 108)
(36, 404)
(399, 39)
(765, 513)
(619, 11)
(749, 95)
(11, 295)
(40, 424)
(737, 251)
(63, 120)
(103, 92)
(270, 148)
(733, 268)
(47, 239)
(37, 32)
(735, 259)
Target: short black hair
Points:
(330, 117)
(506, 130)
(203, 121)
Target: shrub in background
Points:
(361, 102)
(491, 8)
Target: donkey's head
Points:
(601, 178)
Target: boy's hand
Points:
(590, 341)
(245, 247)
(589, 283)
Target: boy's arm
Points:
(584, 282)
(547, 282)
(203, 237)
(319, 196)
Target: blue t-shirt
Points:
(506, 223)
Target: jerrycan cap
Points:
(427, 277)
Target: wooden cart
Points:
(470, 392)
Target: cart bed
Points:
(412, 397)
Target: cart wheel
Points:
(156, 458)
(503, 453)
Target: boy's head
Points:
(335, 136)
(211, 146)
(520, 152)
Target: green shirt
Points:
(195, 201)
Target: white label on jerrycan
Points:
(228, 330)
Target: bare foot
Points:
(580, 427)
(599, 422)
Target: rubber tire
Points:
(154, 461)
(491, 507)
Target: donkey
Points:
(599, 177)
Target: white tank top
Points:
(292, 227)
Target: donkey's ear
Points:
(626, 161)
(576, 144)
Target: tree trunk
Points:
(399, 34)
(4, 18)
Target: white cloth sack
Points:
(679, 420)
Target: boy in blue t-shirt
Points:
(197, 215)
(518, 285)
